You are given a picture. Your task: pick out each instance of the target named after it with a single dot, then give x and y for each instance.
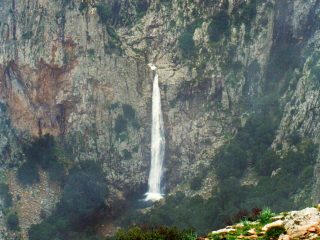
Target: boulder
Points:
(224, 231)
(299, 223)
(278, 223)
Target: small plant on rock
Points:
(275, 232)
(265, 216)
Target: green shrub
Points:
(66, 2)
(196, 183)
(267, 162)
(28, 173)
(91, 54)
(12, 221)
(43, 231)
(104, 12)
(185, 40)
(128, 112)
(57, 172)
(219, 26)
(275, 232)
(266, 215)
(84, 191)
(129, 115)
(83, 7)
(186, 44)
(83, 196)
(40, 152)
(141, 7)
(126, 154)
(5, 195)
(27, 35)
(231, 161)
(120, 125)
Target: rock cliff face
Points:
(74, 70)
(58, 76)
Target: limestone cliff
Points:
(77, 69)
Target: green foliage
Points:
(91, 54)
(128, 112)
(266, 215)
(28, 174)
(165, 1)
(219, 26)
(161, 233)
(120, 125)
(231, 161)
(66, 2)
(130, 115)
(83, 7)
(43, 231)
(12, 221)
(56, 171)
(83, 192)
(114, 43)
(315, 73)
(126, 154)
(27, 35)
(186, 44)
(41, 152)
(104, 12)
(5, 195)
(245, 12)
(196, 183)
(125, 120)
(141, 7)
(275, 232)
(83, 197)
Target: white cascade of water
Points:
(157, 143)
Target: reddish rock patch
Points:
(32, 96)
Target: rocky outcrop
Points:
(303, 224)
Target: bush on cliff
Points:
(104, 12)
(5, 195)
(12, 221)
(40, 152)
(186, 42)
(28, 173)
(219, 26)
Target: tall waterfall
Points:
(157, 143)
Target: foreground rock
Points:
(303, 224)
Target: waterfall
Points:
(157, 143)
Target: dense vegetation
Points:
(40, 153)
(83, 198)
(219, 26)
